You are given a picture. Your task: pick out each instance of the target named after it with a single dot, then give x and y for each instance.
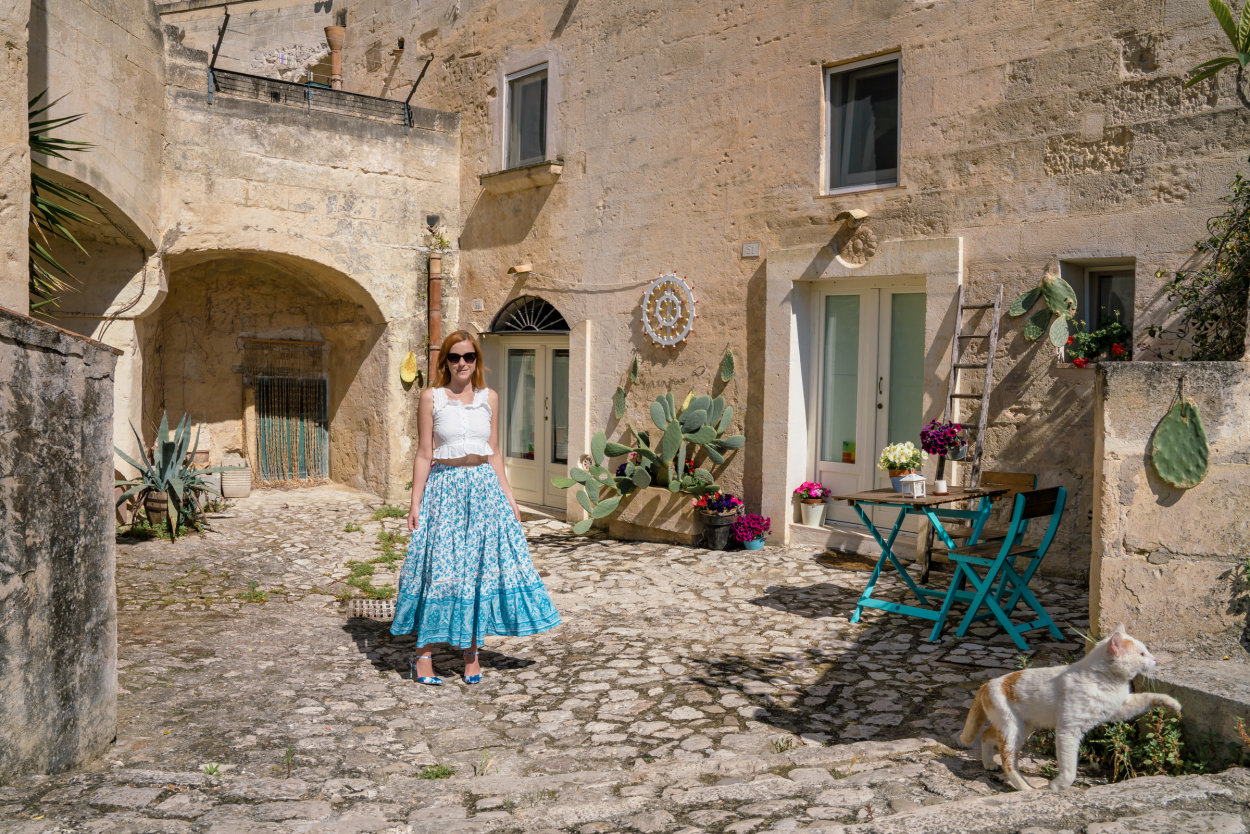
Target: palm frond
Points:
(1209, 68)
(1225, 16)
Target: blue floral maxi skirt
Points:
(468, 572)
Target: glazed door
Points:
(870, 384)
(533, 386)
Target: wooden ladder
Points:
(953, 394)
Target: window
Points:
(527, 116)
(1106, 296)
(863, 129)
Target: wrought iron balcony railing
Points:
(308, 96)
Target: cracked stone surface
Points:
(687, 691)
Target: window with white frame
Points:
(862, 103)
(527, 116)
(1104, 294)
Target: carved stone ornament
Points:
(855, 246)
(668, 310)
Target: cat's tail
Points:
(977, 716)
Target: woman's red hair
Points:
(444, 372)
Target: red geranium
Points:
(1117, 350)
(1080, 362)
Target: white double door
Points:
(869, 383)
(531, 376)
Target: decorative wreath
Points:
(668, 310)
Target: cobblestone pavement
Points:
(686, 691)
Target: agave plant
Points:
(168, 473)
(48, 216)
(1238, 35)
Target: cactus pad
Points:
(618, 403)
(1059, 332)
(727, 367)
(1179, 448)
(1059, 295)
(1037, 325)
(1022, 304)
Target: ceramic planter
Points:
(754, 544)
(236, 483)
(717, 528)
(813, 510)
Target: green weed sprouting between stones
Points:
(438, 771)
(211, 769)
(352, 527)
(783, 745)
(389, 511)
(287, 759)
(143, 531)
(253, 593)
(842, 774)
(344, 595)
(359, 578)
(1151, 745)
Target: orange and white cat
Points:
(1072, 700)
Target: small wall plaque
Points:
(751, 249)
(478, 305)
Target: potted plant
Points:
(1109, 343)
(812, 495)
(946, 439)
(750, 529)
(900, 459)
(719, 510)
(169, 478)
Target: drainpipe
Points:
(435, 317)
(334, 37)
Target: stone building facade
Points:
(573, 152)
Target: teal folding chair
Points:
(1000, 558)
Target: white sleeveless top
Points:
(461, 429)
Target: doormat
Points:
(847, 561)
(382, 610)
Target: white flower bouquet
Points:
(899, 456)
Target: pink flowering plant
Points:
(811, 489)
(750, 527)
(939, 438)
(722, 503)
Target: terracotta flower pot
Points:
(896, 478)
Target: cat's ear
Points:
(1120, 629)
(1118, 644)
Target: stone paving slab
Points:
(688, 691)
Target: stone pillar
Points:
(58, 603)
(14, 157)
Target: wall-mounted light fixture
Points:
(520, 269)
(853, 217)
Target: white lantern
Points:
(913, 485)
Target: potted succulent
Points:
(750, 529)
(719, 510)
(900, 459)
(946, 439)
(169, 479)
(812, 495)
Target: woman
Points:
(468, 571)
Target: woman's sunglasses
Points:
(467, 358)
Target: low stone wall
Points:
(1169, 563)
(58, 608)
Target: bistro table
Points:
(930, 507)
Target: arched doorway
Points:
(528, 356)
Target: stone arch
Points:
(221, 300)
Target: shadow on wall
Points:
(502, 220)
(753, 420)
(196, 356)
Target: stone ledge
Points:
(26, 330)
(1214, 694)
(534, 175)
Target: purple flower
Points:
(750, 527)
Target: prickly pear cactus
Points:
(1059, 295)
(1179, 449)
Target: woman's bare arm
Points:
(424, 457)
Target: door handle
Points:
(880, 379)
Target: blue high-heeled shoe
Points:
(428, 680)
(471, 678)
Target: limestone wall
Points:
(1032, 131)
(58, 613)
(1169, 563)
(107, 61)
(338, 205)
(14, 158)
